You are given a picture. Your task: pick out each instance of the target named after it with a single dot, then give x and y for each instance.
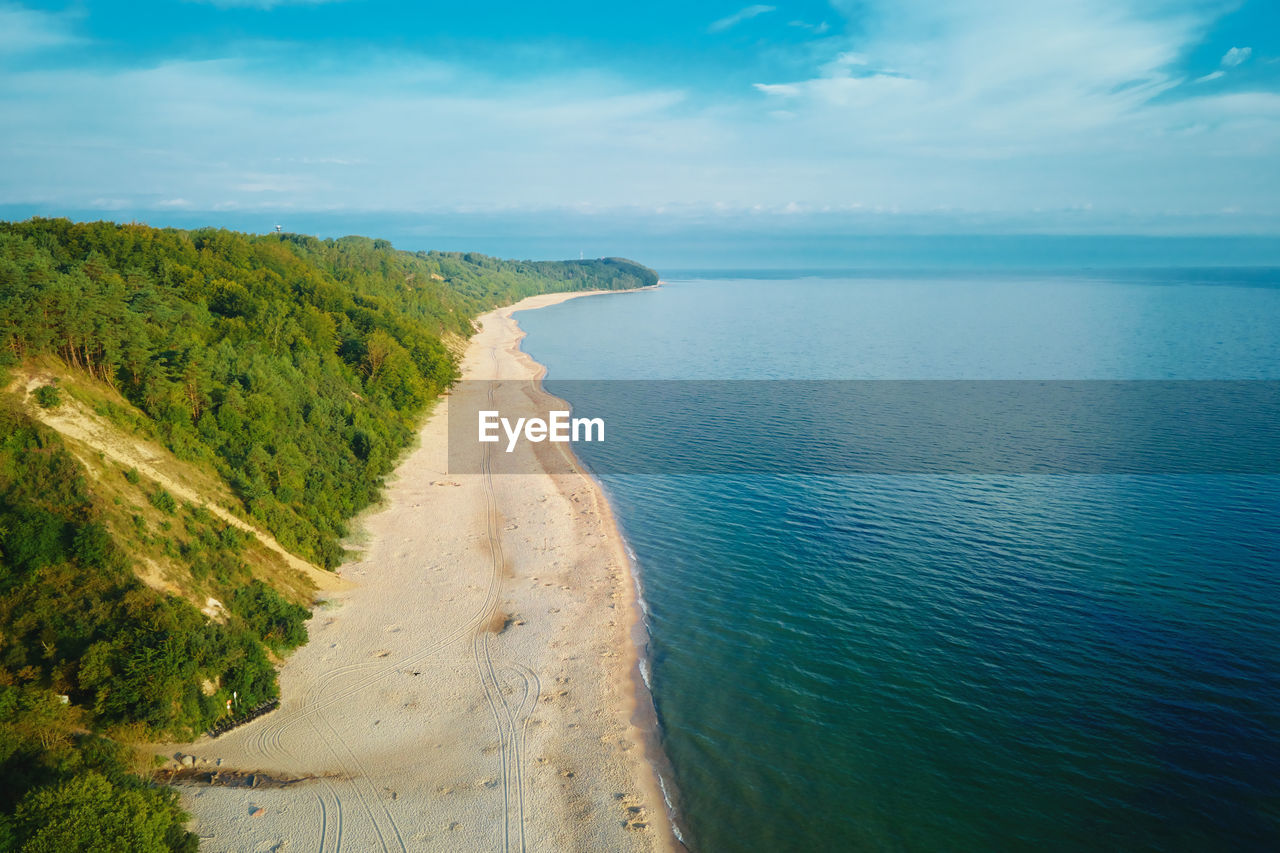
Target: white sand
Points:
(433, 731)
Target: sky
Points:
(1158, 117)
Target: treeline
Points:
(297, 368)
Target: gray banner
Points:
(816, 428)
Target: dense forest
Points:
(294, 368)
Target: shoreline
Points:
(642, 712)
(478, 684)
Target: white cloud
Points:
(739, 16)
(999, 107)
(1233, 58)
(786, 90)
(25, 30)
(998, 103)
(995, 75)
(364, 139)
(1236, 56)
(848, 59)
(817, 29)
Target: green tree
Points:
(91, 814)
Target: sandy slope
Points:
(433, 726)
(82, 428)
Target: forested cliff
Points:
(280, 376)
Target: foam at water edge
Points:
(641, 637)
(671, 809)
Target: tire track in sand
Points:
(511, 721)
(498, 683)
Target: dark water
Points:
(954, 662)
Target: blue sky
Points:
(1055, 116)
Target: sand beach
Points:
(475, 686)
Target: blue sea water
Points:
(946, 662)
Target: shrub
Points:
(90, 813)
(48, 396)
(279, 622)
(163, 501)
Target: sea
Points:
(953, 657)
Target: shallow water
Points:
(952, 662)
